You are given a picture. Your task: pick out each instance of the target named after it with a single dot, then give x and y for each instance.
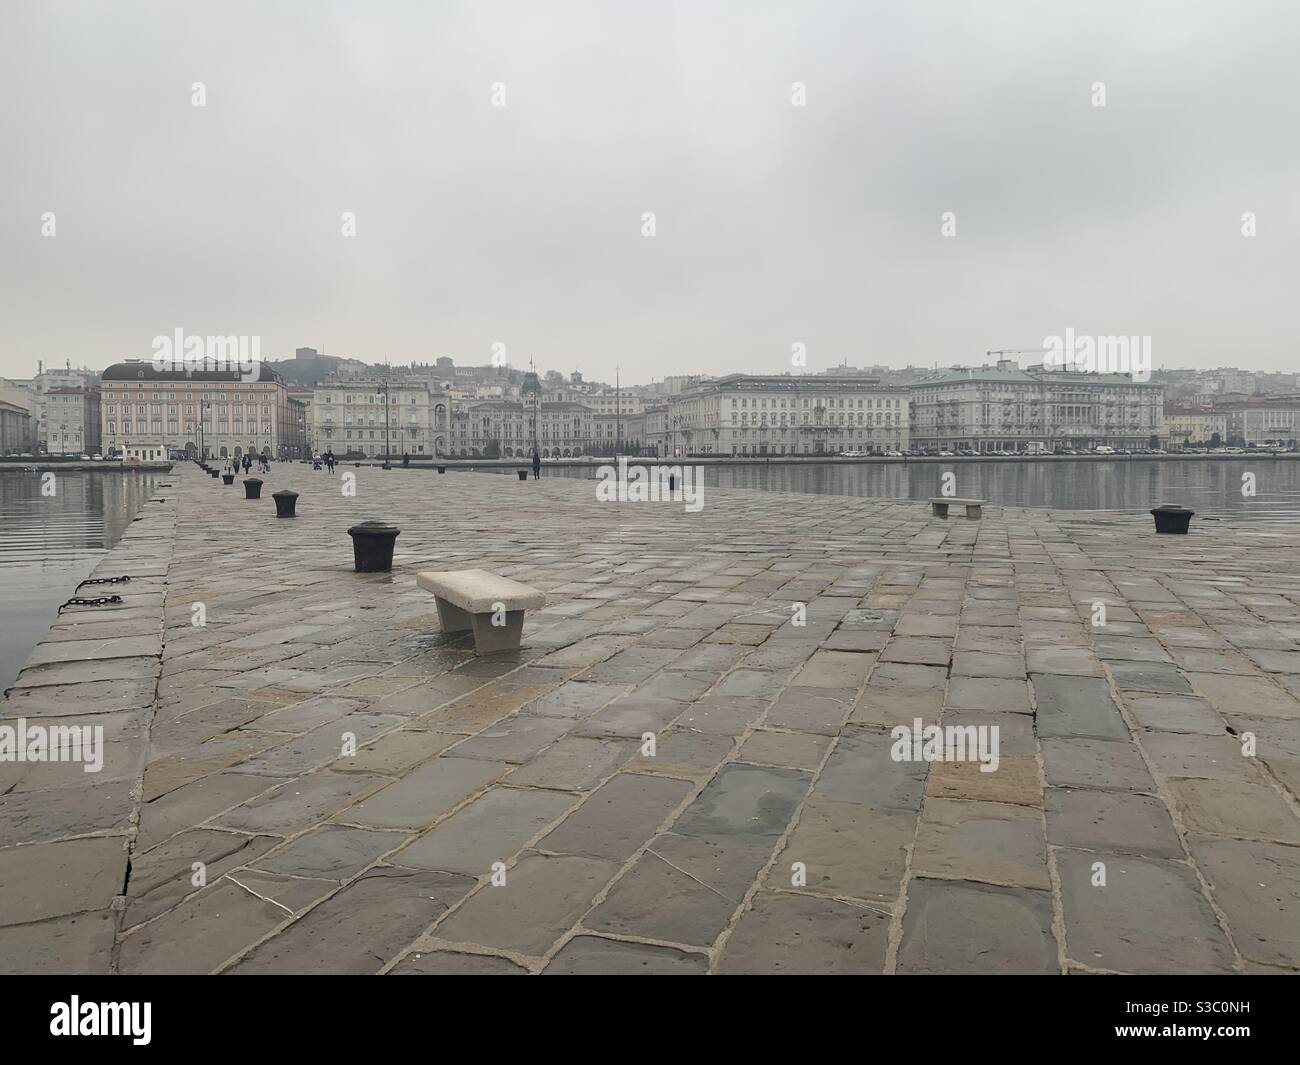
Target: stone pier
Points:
(688, 767)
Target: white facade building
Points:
(750, 414)
(354, 414)
(1005, 408)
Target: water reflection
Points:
(1213, 488)
(50, 543)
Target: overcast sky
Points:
(775, 224)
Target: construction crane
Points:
(1018, 351)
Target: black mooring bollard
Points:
(252, 488)
(442, 469)
(372, 546)
(227, 478)
(1172, 518)
(523, 475)
(285, 502)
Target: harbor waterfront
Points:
(50, 542)
(691, 765)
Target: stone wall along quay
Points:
(315, 779)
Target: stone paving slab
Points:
(671, 775)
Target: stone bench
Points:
(473, 599)
(974, 507)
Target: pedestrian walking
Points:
(537, 464)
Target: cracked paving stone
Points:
(362, 928)
(682, 890)
(200, 933)
(164, 876)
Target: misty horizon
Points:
(802, 167)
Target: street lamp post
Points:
(383, 391)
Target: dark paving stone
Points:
(799, 934)
(492, 828)
(861, 769)
(744, 803)
(1175, 713)
(164, 875)
(1120, 822)
(1257, 885)
(334, 852)
(56, 813)
(631, 717)
(300, 803)
(1077, 706)
(189, 805)
(77, 945)
(682, 890)
(453, 963)
(1150, 917)
(360, 929)
(595, 956)
(1015, 930)
(201, 933)
(47, 880)
(1150, 676)
(1100, 764)
(426, 793)
(544, 895)
(617, 817)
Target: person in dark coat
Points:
(537, 464)
(406, 458)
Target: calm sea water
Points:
(49, 544)
(1211, 487)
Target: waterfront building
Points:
(783, 414)
(215, 413)
(1261, 422)
(71, 421)
(15, 427)
(372, 414)
(1196, 426)
(1006, 408)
